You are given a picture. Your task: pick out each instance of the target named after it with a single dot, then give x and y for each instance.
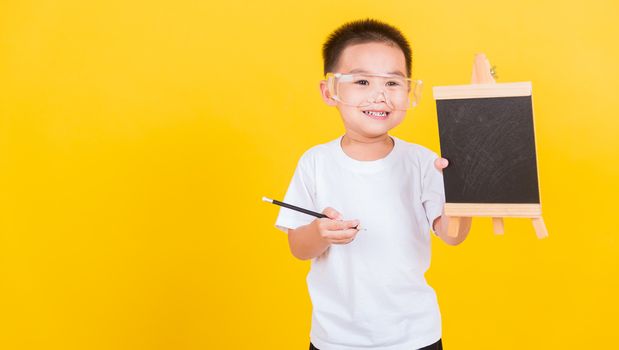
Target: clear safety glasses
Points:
(364, 89)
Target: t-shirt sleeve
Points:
(433, 191)
(301, 193)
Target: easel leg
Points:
(540, 227)
(454, 226)
(498, 226)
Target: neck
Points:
(367, 149)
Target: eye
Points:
(362, 82)
(393, 83)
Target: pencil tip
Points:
(267, 199)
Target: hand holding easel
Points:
(461, 225)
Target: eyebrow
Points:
(397, 72)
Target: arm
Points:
(305, 241)
(441, 224)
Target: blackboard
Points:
(489, 142)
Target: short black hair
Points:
(361, 32)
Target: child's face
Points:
(376, 58)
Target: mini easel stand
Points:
(482, 74)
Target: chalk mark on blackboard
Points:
(491, 145)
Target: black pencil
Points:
(294, 207)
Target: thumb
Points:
(332, 213)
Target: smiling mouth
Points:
(377, 114)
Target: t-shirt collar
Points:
(365, 165)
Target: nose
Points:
(380, 97)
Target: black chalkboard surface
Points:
(487, 134)
(490, 144)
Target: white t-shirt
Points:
(372, 292)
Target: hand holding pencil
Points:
(337, 231)
(330, 224)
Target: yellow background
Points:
(138, 137)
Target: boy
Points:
(367, 288)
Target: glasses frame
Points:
(416, 84)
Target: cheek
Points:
(350, 113)
(397, 117)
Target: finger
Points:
(342, 234)
(339, 240)
(341, 225)
(343, 241)
(326, 224)
(354, 224)
(441, 163)
(332, 213)
(346, 241)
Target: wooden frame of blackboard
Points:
(484, 86)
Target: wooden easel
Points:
(482, 74)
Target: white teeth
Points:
(376, 114)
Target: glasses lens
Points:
(366, 89)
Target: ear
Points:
(326, 96)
